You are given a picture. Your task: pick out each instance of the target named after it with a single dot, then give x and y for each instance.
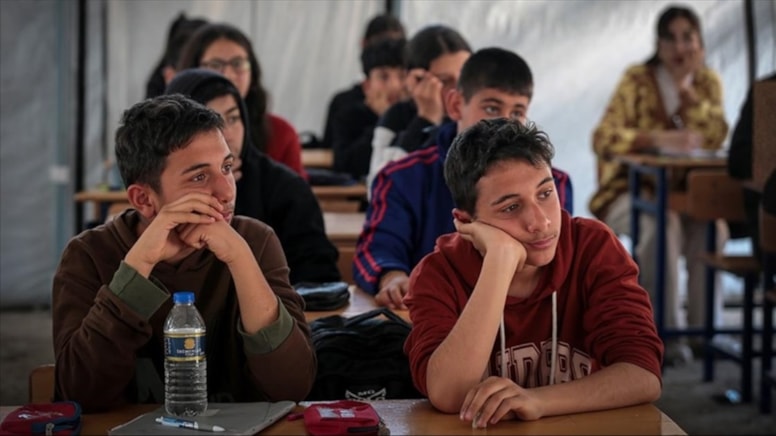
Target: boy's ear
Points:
(453, 103)
(140, 197)
(462, 216)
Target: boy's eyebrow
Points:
(506, 197)
(492, 100)
(198, 166)
(195, 167)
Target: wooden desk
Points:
(763, 131)
(410, 417)
(317, 158)
(357, 190)
(360, 302)
(348, 192)
(346, 198)
(343, 229)
(332, 198)
(102, 200)
(659, 167)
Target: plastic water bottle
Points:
(185, 367)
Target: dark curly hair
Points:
(485, 144)
(154, 128)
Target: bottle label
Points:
(184, 347)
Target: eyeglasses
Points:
(238, 64)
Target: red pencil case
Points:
(340, 418)
(58, 418)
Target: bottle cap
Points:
(183, 297)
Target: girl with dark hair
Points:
(224, 48)
(671, 104)
(180, 31)
(434, 57)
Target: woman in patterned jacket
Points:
(672, 104)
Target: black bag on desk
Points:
(362, 357)
(323, 296)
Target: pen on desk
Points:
(183, 423)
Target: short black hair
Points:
(383, 53)
(432, 42)
(380, 26)
(485, 144)
(154, 128)
(498, 69)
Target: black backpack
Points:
(362, 357)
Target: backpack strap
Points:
(384, 311)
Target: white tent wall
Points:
(37, 70)
(578, 51)
(308, 50)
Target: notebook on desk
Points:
(236, 418)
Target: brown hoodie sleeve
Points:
(97, 334)
(281, 356)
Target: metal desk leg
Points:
(660, 250)
(708, 357)
(634, 183)
(767, 335)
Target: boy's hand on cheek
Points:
(487, 238)
(427, 95)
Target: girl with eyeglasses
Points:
(224, 48)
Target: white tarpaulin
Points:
(308, 50)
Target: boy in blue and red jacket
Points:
(410, 203)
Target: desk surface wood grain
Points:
(317, 158)
(405, 417)
(672, 161)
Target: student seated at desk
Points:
(352, 127)
(525, 312)
(380, 27)
(224, 48)
(266, 190)
(111, 291)
(433, 62)
(410, 202)
(673, 102)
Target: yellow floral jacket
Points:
(637, 107)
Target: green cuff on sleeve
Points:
(144, 296)
(270, 337)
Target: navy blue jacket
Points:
(410, 208)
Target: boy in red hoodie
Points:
(525, 312)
